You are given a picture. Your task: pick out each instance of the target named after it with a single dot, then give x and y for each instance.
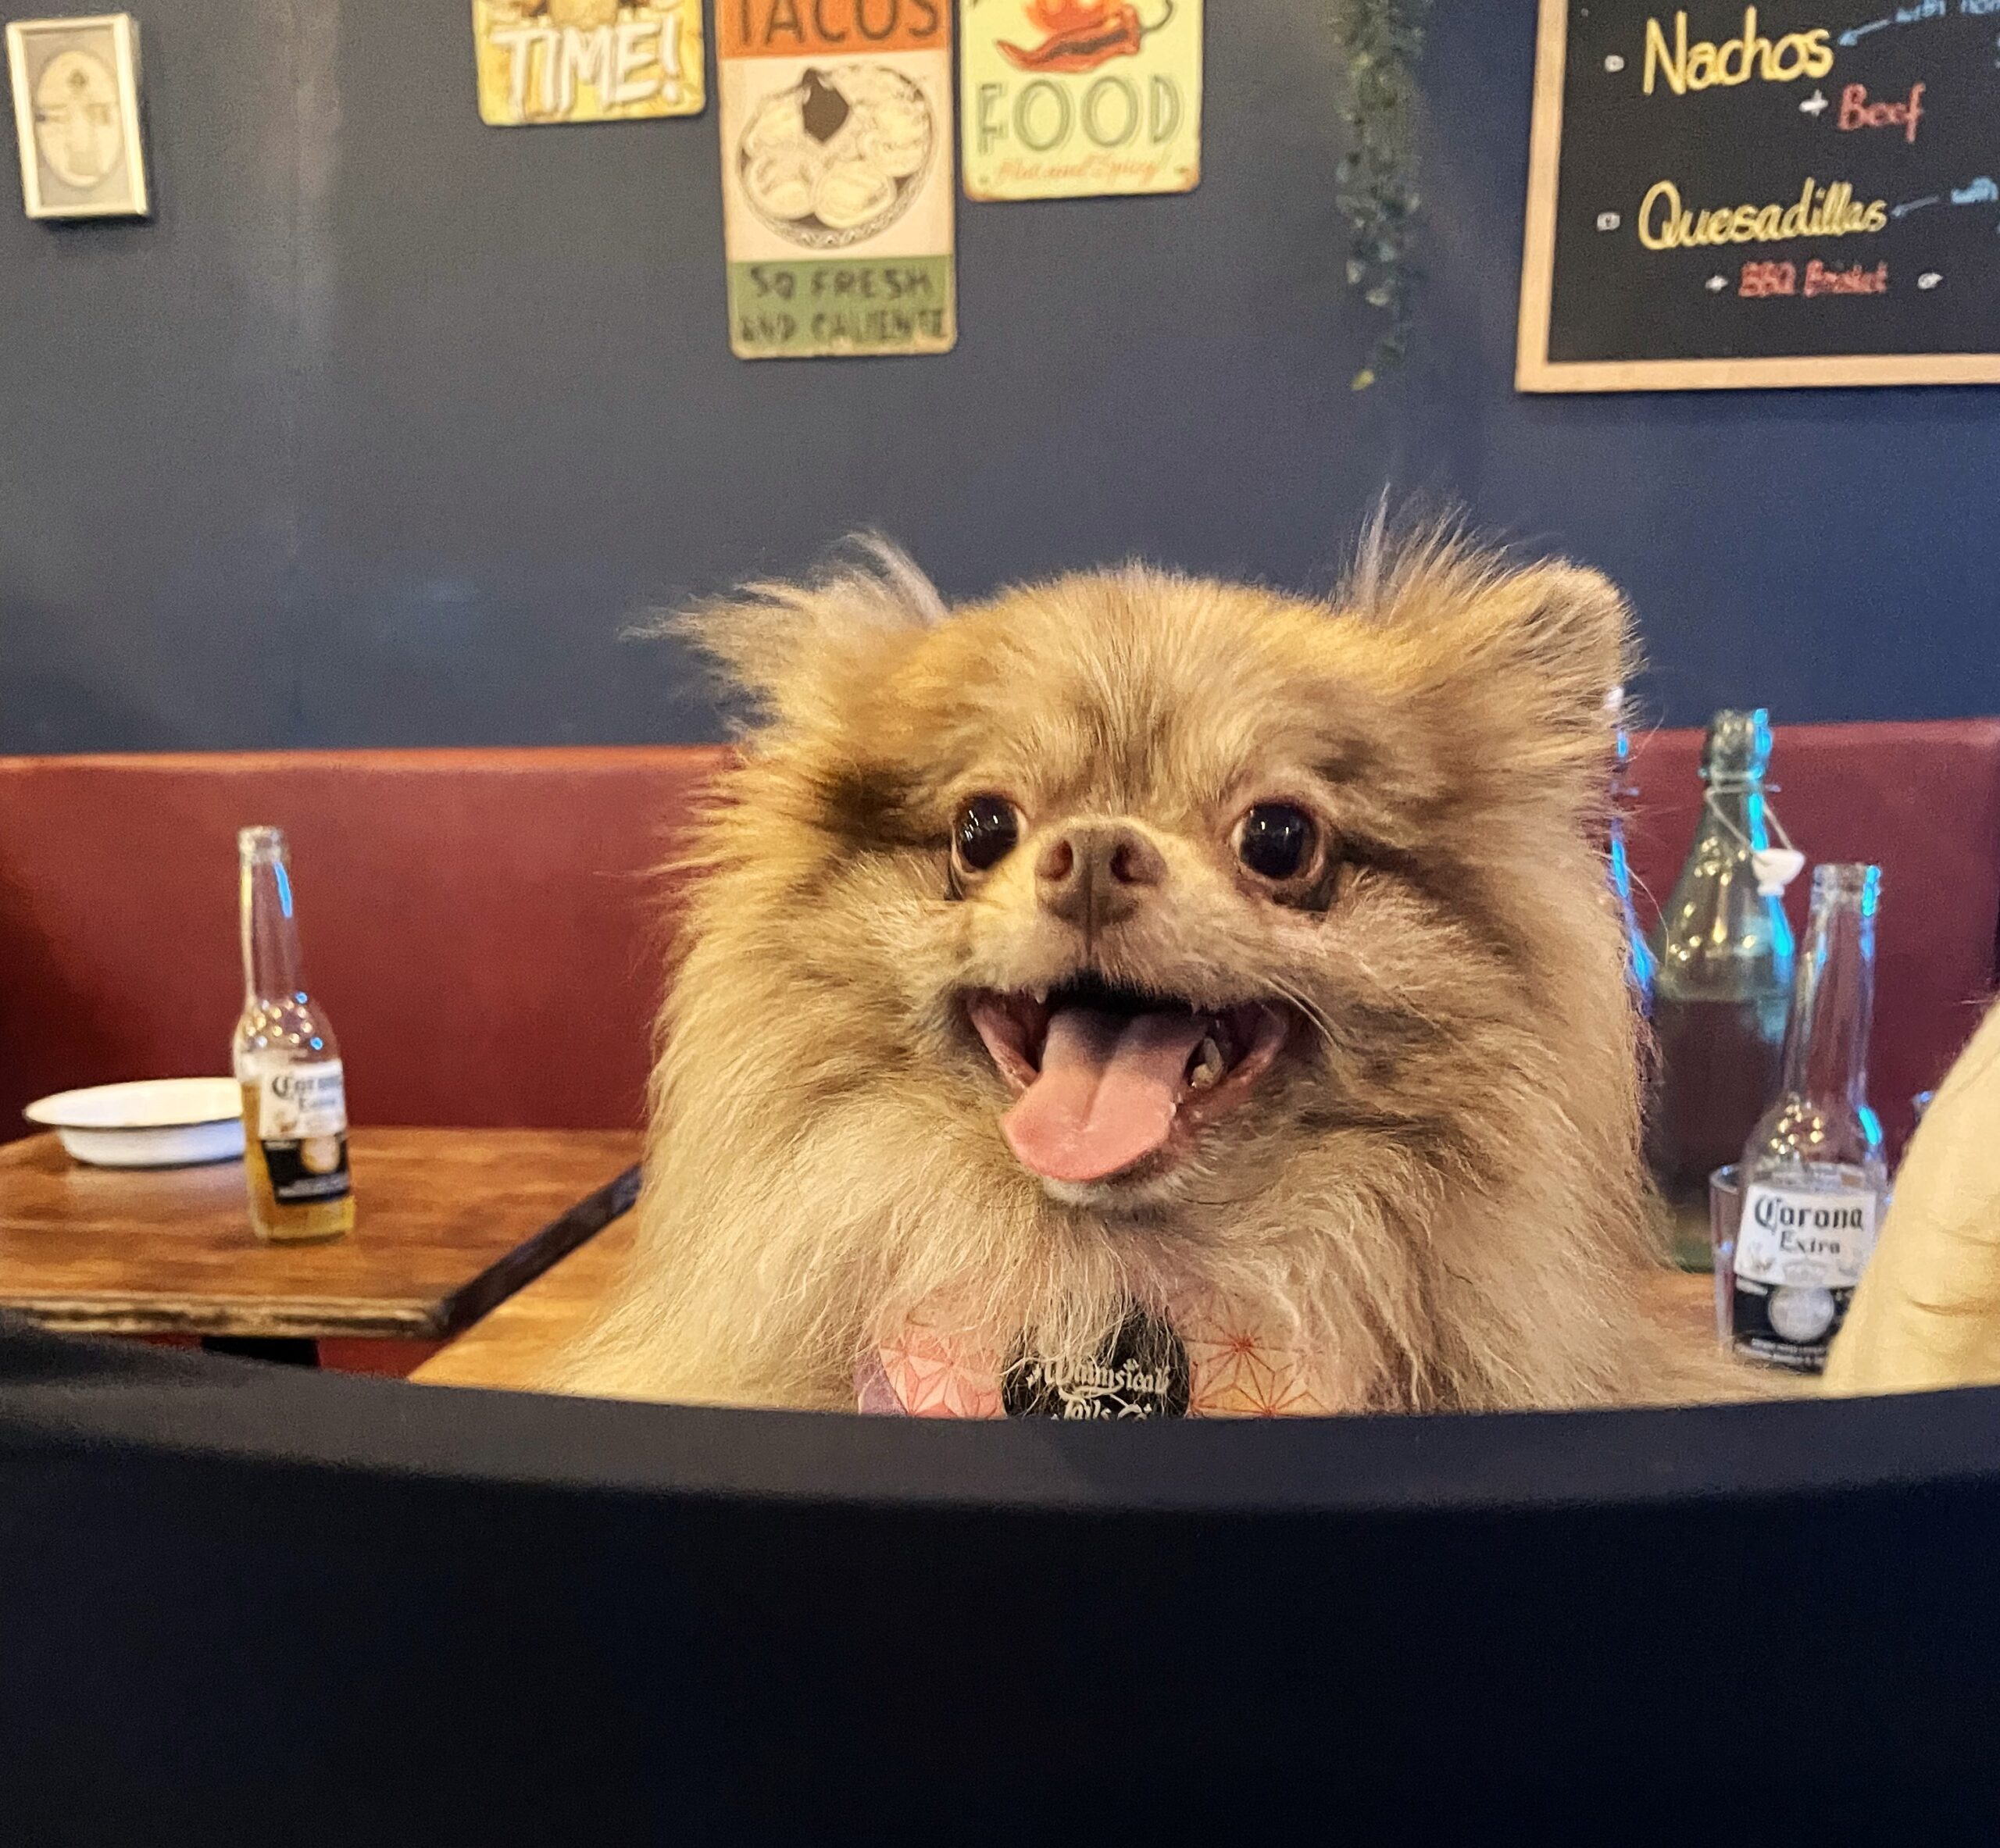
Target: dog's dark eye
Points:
(986, 831)
(1275, 840)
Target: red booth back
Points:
(481, 925)
(1922, 802)
(484, 930)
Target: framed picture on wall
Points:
(76, 85)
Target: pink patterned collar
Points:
(1236, 1368)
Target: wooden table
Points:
(449, 1223)
(512, 1347)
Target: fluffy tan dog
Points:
(1129, 940)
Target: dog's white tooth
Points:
(1207, 1064)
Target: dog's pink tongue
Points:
(1107, 1093)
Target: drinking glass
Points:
(1725, 1211)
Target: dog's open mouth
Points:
(1110, 1076)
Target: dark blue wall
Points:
(388, 424)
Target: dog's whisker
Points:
(1315, 1016)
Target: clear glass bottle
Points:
(1640, 964)
(288, 1063)
(1722, 986)
(1815, 1182)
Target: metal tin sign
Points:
(1073, 98)
(836, 175)
(551, 61)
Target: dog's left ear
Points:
(1514, 665)
(1557, 637)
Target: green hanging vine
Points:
(1378, 177)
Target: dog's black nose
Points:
(1095, 874)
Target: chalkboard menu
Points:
(1786, 194)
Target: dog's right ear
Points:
(806, 653)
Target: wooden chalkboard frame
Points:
(1534, 371)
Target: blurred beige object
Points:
(1926, 1314)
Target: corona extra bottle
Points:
(1814, 1180)
(288, 1063)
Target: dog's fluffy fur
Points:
(1437, 1187)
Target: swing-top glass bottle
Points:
(1722, 984)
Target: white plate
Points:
(157, 1122)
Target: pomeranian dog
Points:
(1130, 946)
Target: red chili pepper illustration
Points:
(1082, 37)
